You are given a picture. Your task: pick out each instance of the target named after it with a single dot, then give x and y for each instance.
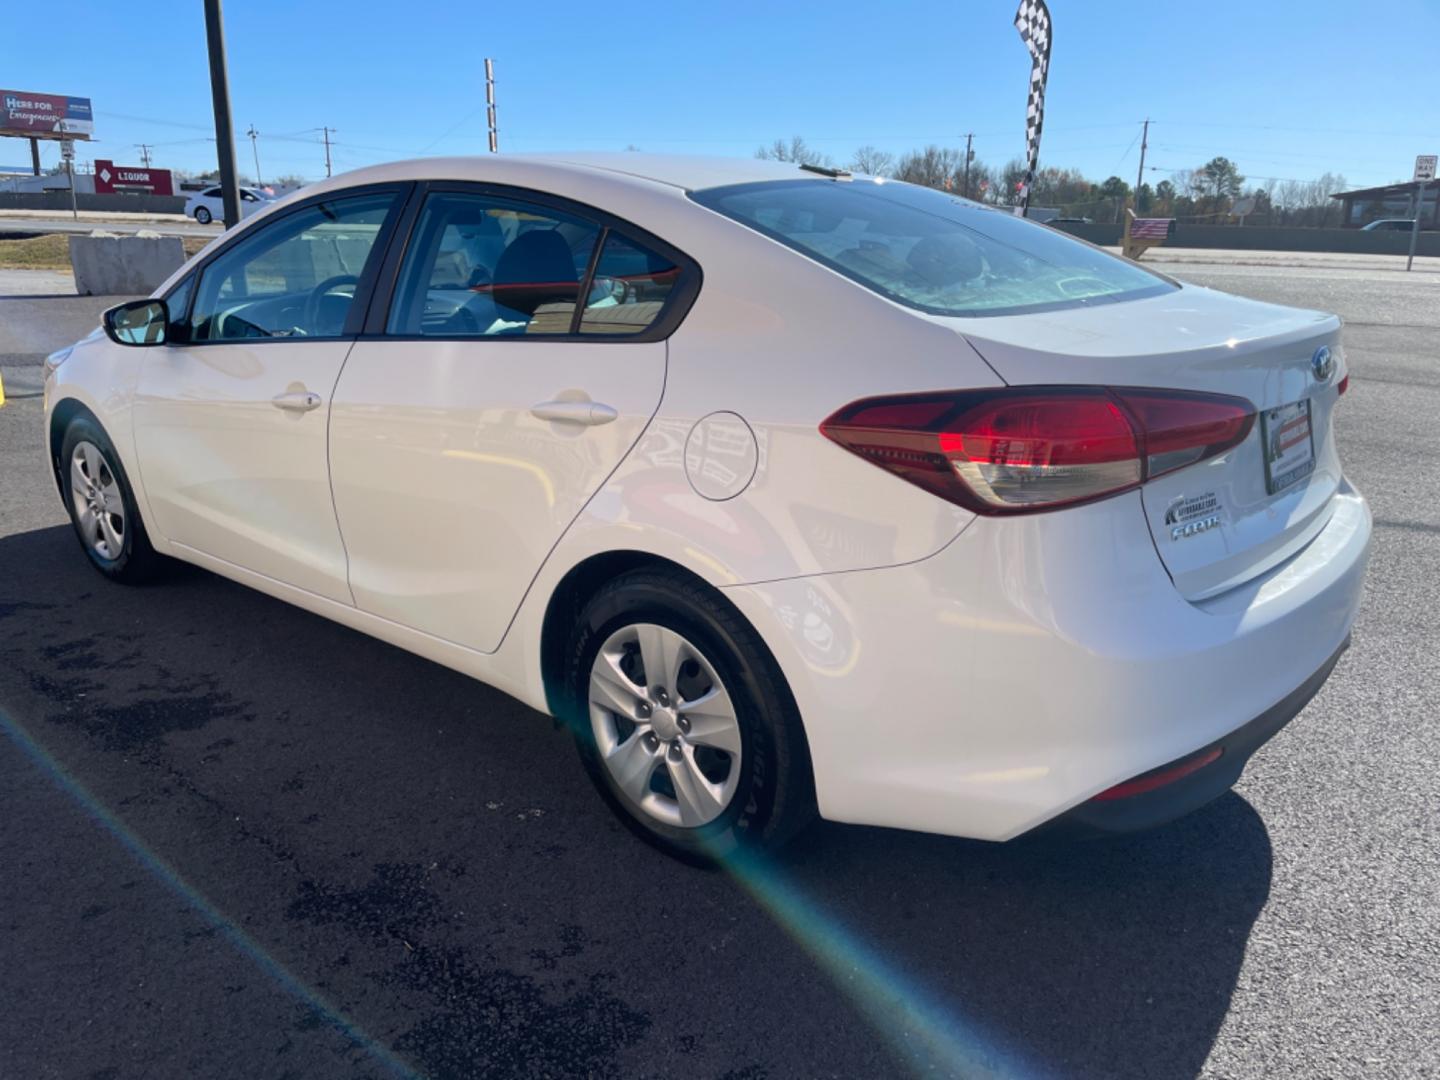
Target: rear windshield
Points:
(933, 251)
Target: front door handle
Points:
(302, 401)
(585, 413)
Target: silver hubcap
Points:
(665, 726)
(99, 509)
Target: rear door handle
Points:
(585, 413)
(302, 401)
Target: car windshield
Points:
(933, 251)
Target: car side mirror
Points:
(139, 322)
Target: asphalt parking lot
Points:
(238, 840)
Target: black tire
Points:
(775, 796)
(136, 560)
(202, 215)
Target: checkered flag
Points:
(1032, 19)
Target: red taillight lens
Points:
(1344, 385)
(1013, 450)
(1181, 429)
(1160, 777)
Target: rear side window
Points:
(933, 251)
(482, 266)
(630, 287)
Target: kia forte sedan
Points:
(209, 205)
(788, 491)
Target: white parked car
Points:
(208, 205)
(788, 491)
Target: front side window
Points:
(484, 266)
(933, 251)
(293, 278)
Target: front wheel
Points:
(102, 505)
(683, 720)
(202, 215)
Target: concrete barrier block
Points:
(107, 264)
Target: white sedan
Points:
(209, 205)
(788, 491)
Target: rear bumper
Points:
(1193, 790)
(1038, 661)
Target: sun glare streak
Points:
(926, 1033)
(172, 880)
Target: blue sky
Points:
(1286, 89)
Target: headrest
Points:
(537, 268)
(945, 259)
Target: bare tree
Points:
(796, 150)
(1308, 203)
(935, 166)
(872, 162)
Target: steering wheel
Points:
(317, 294)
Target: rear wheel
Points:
(202, 215)
(683, 720)
(102, 505)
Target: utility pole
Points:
(255, 149)
(220, 93)
(35, 156)
(1140, 176)
(490, 105)
(968, 155)
(144, 154)
(326, 130)
(67, 151)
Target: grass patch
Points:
(35, 253)
(52, 251)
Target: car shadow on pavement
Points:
(1056, 956)
(427, 853)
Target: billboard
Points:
(111, 178)
(45, 116)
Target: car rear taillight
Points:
(1038, 448)
(1344, 385)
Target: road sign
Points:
(67, 150)
(1424, 174)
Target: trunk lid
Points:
(1217, 523)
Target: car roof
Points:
(689, 172)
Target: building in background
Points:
(1364, 205)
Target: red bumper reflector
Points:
(1150, 781)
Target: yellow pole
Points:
(2, 391)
